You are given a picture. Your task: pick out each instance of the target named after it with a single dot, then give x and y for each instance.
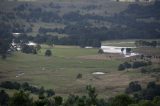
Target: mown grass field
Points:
(59, 71)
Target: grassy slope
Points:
(60, 70)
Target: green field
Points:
(124, 43)
(59, 71)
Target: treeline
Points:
(66, 40)
(26, 87)
(141, 97)
(135, 64)
(152, 90)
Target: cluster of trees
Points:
(135, 64)
(79, 28)
(26, 87)
(77, 35)
(23, 99)
(90, 99)
(152, 90)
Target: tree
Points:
(5, 39)
(79, 76)
(121, 67)
(145, 103)
(156, 101)
(48, 53)
(92, 95)
(4, 98)
(38, 47)
(58, 100)
(21, 99)
(127, 65)
(100, 51)
(122, 50)
(121, 100)
(50, 92)
(133, 87)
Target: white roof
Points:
(32, 44)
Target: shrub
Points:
(121, 100)
(28, 49)
(127, 65)
(133, 87)
(4, 98)
(121, 67)
(100, 51)
(50, 92)
(79, 76)
(48, 53)
(21, 99)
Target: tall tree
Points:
(5, 39)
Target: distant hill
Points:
(74, 21)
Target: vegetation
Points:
(84, 25)
(142, 43)
(26, 87)
(135, 64)
(23, 99)
(96, 28)
(48, 53)
(5, 40)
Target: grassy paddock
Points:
(124, 43)
(59, 71)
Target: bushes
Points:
(121, 100)
(152, 90)
(90, 99)
(28, 49)
(21, 99)
(26, 87)
(121, 67)
(138, 64)
(135, 64)
(100, 51)
(10, 85)
(124, 66)
(48, 53)
(4, 98)
(79, 76)
(133, 87)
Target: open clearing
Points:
(59, 71)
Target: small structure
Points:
(119, 50)
(17, 46)
(88, 47)
(31, 43)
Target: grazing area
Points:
(60, 71)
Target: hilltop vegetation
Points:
(81, 23)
